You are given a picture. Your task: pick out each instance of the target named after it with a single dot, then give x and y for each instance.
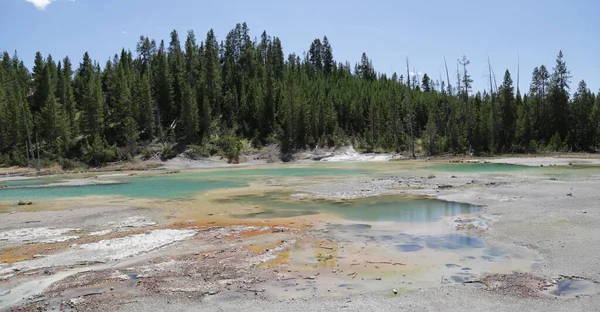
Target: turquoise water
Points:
(372, 209)
(164, 186)
(161, 187)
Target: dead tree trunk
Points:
(451, 123)
(410, 112)
(494, 123)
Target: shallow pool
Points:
(372, 209)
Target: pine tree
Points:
(189, 114)
(66, 99)
(524, 131)
(40, 83)
(175, 59)
(426, 84)
(316, 57)
(162, 88)
(212, 75)
(218, 93)
(90, 98)
(327, 54)
(558, 97)
(508, 112)
(581, 129)
(5, 123)
(146, 49)
(142, 97)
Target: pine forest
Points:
(222, 97)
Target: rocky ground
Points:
(143, 263)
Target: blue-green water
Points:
(372, 209)
(164, 186)
(160, 187)
(188, 184)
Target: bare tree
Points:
(492, 76)
(452, 106)
(410, 111)
(445, 105)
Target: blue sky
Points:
(388, 31)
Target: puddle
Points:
(409, 247)
(452, 242)
(349, 258)
(371, 209)
(574, 287)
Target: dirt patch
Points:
(191, 276)
(522, 285)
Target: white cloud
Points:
(42, 4)
(124, 32)
(415, 74)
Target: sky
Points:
(509, 32)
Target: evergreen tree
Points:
(327, 54)
(508, 112)
(581, 123)
(162, 88)
(212, 76)
(426, 84)
(90, 98)
(558, 97)
(142, 97)
(217, 94)
(175, 59)
(40, 83)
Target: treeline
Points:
(213, 96)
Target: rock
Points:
(583, 211)
(395, 291)
(49, 271)
(570, 194)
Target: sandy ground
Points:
(204, 268)
(546, 161)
